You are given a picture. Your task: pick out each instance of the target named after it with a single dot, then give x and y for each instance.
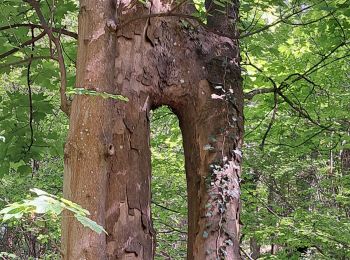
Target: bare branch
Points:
(273, 117)
(166, 208)
(339, 24)
(26, 43)
(302, 111)
(16, 63)
(30, 94)
(65, 106)
(249, 95)
(262, 72)
(37, 26)
(254, 92)
(309, 22)
(252, 23)
(246, 254)
(282, 19)
(284, 83)
(258, 125)
(303, 142)
(313, 68)
(330, 62)
(172, 228)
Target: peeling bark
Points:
(153, 62)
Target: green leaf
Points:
(4, 167)
(86, 222)
(82, 91)
(219, 3)
(24, 169)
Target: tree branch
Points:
(254, 92)
(315, 66)
(65, 105)
(16, 63)
(249, 95)
(283, 84)
(245, 253)
(309, 22)
(26, 43)
(37, 26)
(172, 228)
(30, 94)
(282, 19)
(302, 111)
(163, 207)
(273, 117)
(303, 142)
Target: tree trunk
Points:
(154, 61)
(345, 160)
(87, 165)
(254, 248)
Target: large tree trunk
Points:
(153, 62)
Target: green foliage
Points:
(295, 187)
(40, 232)
(5, 255)
(50, 206)
(294, 180)
(169, 199)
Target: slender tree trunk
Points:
(345, 170)
(153, 62)
(87, 164)
(254, 248)
(345, 160)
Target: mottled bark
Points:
(87, 162)
(153, 62)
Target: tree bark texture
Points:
(154, 62)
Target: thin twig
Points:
(37, 26)
(277, 22)
(65, 105)
(172, 228)
(309, 22)
(26, 43)
(249, 95)
(16, 63)
(273, 117)
(284, 83)
(302, 111)
(164, 207)
(246, 254)
(30, 94)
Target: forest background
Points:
(296, 179)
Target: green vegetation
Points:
(296, 174)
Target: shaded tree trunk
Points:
(254, 248)
(154, 61)
(345, 160)
(345, 170)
